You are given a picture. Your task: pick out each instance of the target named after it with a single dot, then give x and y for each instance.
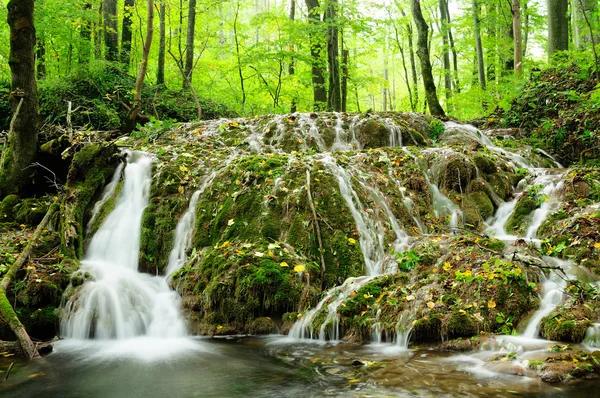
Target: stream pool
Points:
(268, 367)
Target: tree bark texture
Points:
(21, 150)
(518, 42)
(189, 43)
(316, 48)
(558, 26)
(111, 30)
(478, 45)
(139, 81)
(334, 101)
(446, 49)
(160, 71)
(126, 33)
(292, 66)
(423, 53)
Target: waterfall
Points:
(118, 302)
(552, 295)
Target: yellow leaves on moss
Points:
(430, 304)
(299, 268)
(597, 245)
(447, 266)
(491, 304)
(352, 241)
(283, 264)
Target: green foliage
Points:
(437, 128)
(407, 260)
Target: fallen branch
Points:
(318, 228)
(9, 369)
(6, 310)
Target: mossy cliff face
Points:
(90, 171)
(258, 249)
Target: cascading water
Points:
(118, 303)
(552, 295)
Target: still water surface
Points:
(270, 367)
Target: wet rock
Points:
(264, 325)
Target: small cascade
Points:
(552, 294)
(375, 254)
(592, 336)
(497, 228)
(441, 204)
(403, 330)
(118, 302)
(552, 184)
(344, 140)
(303, 329)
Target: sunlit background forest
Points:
(254, 56)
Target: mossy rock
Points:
(566, 324)
(30, 211)
(427, 329)
(484, 164)
(518, 219)
(8, 207)
(373, 134)
(42, 323)
(460, 325)
(502, 183)
(263, 325)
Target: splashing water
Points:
(119, 303)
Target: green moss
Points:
(262, 325)
(461, 325)
(428, 328)
(484, 164)
(91, 169)
(482, 203)
(30, 211)
(7, 207)
(518, 219)
(566, 324)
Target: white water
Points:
(552, 294)
(130, 308)
(552, 186)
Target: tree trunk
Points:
(585, 14)
(160, 71)
(85, 36)
(21, 149)
(344, 89)
(130, 121)
(423, 53)
(334, 102)
(446, 50)
(453, 48)
(111, 30)
(126, 33)
(316, 47)
(238, 55)
(413, 64)
(291, 67)
(406, 79)
(41, 59)
(558, 26)
(98, 33)
(478, 46)
(189, 43)
(518, 50)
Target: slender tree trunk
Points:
(292, 66)
(423, 53)
(21, 149)
(345, 55)
(126, 32)
(139, 81)
(413, 64)
(446, 50)
(98, 33)
(452, 48)
(189, 46)
(558, 26)
(334, 101)
(518, 50)
(406, 79)
(41, 59)
(111, 30)
(160, 71)
(85, 36)
(478, 46)
(238, 55)
(316, 48)
(525, 32)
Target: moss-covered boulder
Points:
(262, 325)
(567, 324)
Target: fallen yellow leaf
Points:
(491, 304)
(283, 264)
(299, 268)
(352, 241)
(430, 304)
